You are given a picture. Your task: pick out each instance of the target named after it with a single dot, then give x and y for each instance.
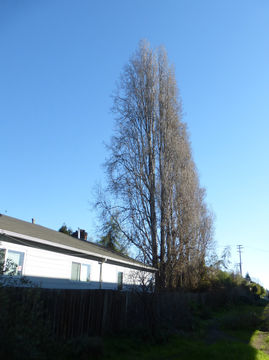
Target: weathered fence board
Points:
(73, 313)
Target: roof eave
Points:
(79, 252)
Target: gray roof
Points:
(58, 240)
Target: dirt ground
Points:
(261, 341)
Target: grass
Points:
(229, 335)
(183, 349)
(260, 340)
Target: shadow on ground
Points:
(240, 333)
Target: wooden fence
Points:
(73, 313)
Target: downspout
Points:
(101, 272)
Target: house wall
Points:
(50, 269)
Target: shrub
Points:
(24, 332)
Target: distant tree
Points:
(247, 277)
(255, 289)
(112, 237)
(224, 262)
(65, 230)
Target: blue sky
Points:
(59, 63)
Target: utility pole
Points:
(239, 249)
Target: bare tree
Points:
(151, 173)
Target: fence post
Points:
(126, 310)
(104, 318)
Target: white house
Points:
(54, 260)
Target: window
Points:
(14, 262)
(80, 272)
(85, 272)
(2, 260)
(75, 273)
(120, 280)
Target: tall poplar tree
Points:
(151, 173)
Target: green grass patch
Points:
(229, 335)
(260, 340)
(181, 348)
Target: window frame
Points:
(2, 260)
(77, 272)
(80, 273)
(88, 277)
(20, 265)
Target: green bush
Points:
(24, 332)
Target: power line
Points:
(256, 249)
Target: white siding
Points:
(53, 270)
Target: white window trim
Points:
(81, 264)
(18, 251)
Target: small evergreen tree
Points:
(112, 236)
(65, 230)
(247, 277)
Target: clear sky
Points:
(59, 61)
